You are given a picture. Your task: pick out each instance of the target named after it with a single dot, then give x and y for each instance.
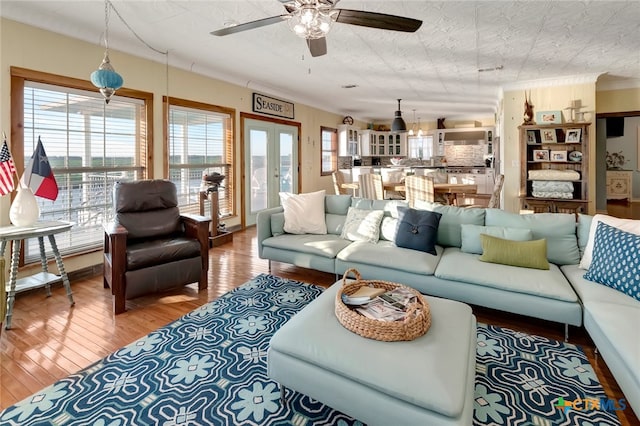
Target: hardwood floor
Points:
(50, 340)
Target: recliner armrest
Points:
(112, 229)
(196, 226)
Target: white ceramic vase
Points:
(24, 209)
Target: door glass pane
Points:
(258, 170)
(286, 161)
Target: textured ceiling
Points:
(435, 70)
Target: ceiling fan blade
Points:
(249, 25)
(317, 47)
(377, 20)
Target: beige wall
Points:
(544, 99)
(618, 100)
(32, 48)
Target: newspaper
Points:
(389, 306)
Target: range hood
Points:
(468, 137)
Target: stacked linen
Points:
(552, 189)
(553, 183)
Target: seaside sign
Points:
(272, 106)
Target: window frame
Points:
(19, 78)
(333, 152)
(230, 181)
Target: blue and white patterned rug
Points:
(209, 368)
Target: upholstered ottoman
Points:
(426, 381)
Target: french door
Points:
(271, 164)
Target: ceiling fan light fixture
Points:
(311, 21)
(398, 124)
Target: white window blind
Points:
(90, 145)
(329, 139)
(198, 144)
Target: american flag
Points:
(7, 169)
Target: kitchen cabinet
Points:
(379, 144)
(348, 140)
(619, 184)
(549, 148)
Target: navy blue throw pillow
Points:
(417, 229)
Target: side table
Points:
(18, 234)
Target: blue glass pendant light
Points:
(105, 77)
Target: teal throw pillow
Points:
(417, 229)
(616, 260)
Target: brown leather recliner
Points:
(150, 246)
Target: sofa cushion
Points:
(584, 224)
(304, 213)
(449, 229)
(605, 322)
(471, 235)
(417, 229)
(616, 260)
(559, 229)
(589, 291)
(406, 260)
(277, 224)
(362, 225)
(337, 204)
(464, 267)
(327, 245)
(526, 254)
(628, 225)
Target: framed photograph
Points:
(549, 117)
(573, 136)
(540, 155)
(533, 137)
(558, 155)
(549, 136)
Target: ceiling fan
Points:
(312, 20)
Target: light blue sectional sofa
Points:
(559, 294)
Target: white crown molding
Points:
(552, 82)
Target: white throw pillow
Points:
(628, 225)
(304, 213)
(362, 225)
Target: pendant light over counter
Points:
(398, 124)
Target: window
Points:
(420, 147)
(329, 152)
(200, 141)
(89, 144)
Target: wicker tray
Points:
(414, 325)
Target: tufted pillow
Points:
(417, 229)
(362, 225)
(628, 225)
(471, 236)
(304, 213)
(616, 260)
(449, 229)
(527, 254)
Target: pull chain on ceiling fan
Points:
(312, 20)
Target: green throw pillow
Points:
(528, 254)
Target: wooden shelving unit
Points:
(555, 147)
